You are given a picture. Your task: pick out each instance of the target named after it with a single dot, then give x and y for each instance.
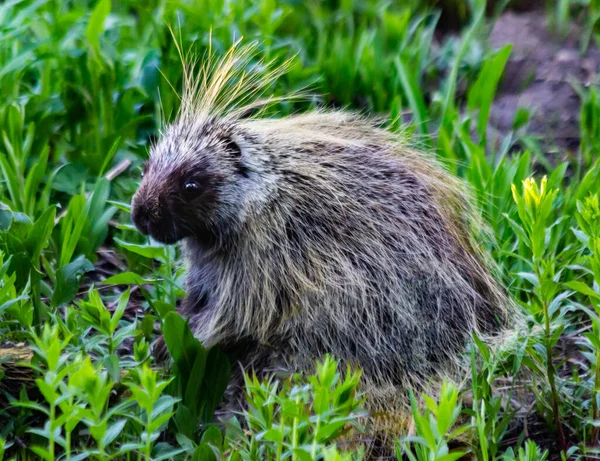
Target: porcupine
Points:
(315, 233)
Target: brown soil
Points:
(539, 76)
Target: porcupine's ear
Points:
(234, 148)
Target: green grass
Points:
(84, 88)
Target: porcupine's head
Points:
(205, 168)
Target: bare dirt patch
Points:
(539, 76)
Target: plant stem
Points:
(595, 413)
(314, 445)
(148, 448)
(68, 444)
(37, 304)
(280, 443)
(51, 434)
(295, 430)
(551, 373)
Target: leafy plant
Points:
(531, 452)
(436, 426)
(534, 208)
(297, 418)
(200, 378)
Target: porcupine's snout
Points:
(141, 218)
(150, 215)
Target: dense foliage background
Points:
(84, 87)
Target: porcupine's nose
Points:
(141, 218)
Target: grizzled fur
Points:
(317, 233)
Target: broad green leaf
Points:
(128, 278)
(185, 421)
(148, 251)
(42, 453)
(67, 281)
(193, 390)
(119, 311)
(204, 452)
(216, 378)
(111, 363)
(212, 436)
(113, 431)
(38, 236)
(583, 288)
(181, 344)
(5, 218)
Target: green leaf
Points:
(111, 363)
(147, 326)
(185, 442)
(166, 452)
(127, 278)
(34, 179)
(483, 90)
(522, 116)
(412, 90)
(194, 393)
(67, 281)
(32, 406)
(448, 107)
(484, 350)
(141, 397)
(147, 251)
(216, 378)
(181, 344)
(72, 225)
(164, 405)
(111, 153)
(530, 277)
(42, 453)
(49, 394)
(5, 218)
(212, 436)
(121, 205)
(581, 287)
(162, 308)
(38, 236)
(304, 455)
(327, 431)
(113, 431)
(12, 302)
(451, 456)
(204, 452)
(159, 421)
(119, 311)
(95, 25)
(272, 435)
(185, 421)
(19, 61)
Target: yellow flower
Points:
(532, 193)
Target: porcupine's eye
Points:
(191, 188)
